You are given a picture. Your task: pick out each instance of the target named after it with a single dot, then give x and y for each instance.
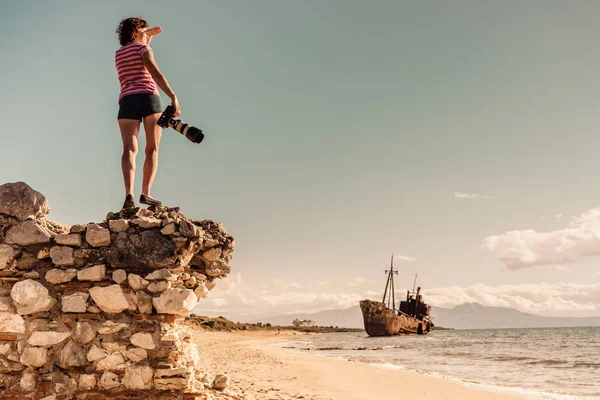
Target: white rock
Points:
(11, 323)
(137, 282)
(97, 236)
(7, 255)
(47, 338)
(169, 229)
(27, 233)
(87, 382)
(94, 274)
(118, 225)
(212, 254)
(62, 256)
(57, 276)
(147, 222)
(136, 354)
(68, 239)
(158, 287)
(161, 274)
(75, 303)
(175, 301)
(143, 340)
(109, 380)
(109, 327)
(96, 354)
(110, 299)
(113, 362)
(119, 275)
(34, 356)
(138, 377)
(30, 297)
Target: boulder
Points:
(221, 382)
(175, 301)
(136, 354)
(30, 297)
(161, 274)
(96, 353)
(94, 274)
(158, 287)
(143, 340)
(68, 239)
(97, 236)
(137, 282)
(112, 362)
(84, 333)
(34, 357)
(110, 299)
(119, 275)
(146, 249)
(75, 303)
(19, 200)
(62, 255)
(109, 380)
(147, 222)
(47, 338)
(138, 377)
(118, 225)
(11, 323)
(56, 276)
(72, 355)
(27, 233)
(87, 382)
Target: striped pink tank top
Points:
(133, 75)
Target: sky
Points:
(460, 136)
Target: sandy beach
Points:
(259, 370)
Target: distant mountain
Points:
(476, 316)
(464, 316)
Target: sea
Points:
(541, 363)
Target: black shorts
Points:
(139, 106)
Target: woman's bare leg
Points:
(130, 129)
(153, 134)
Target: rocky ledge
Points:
(94, 311)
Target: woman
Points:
(139, 100)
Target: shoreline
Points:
(261, 369)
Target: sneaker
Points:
(149, 200)
(129, 203)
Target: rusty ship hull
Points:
(380, 320)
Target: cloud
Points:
(404, 258)
(244, 301)
(472, 196)
(526, 248)
(544, 299)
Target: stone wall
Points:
(95, 311)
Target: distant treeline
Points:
(225, 325)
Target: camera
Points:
(192, 133)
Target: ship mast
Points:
(389, 286)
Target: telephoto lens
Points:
(192, 133)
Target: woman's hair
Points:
(127, 29)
